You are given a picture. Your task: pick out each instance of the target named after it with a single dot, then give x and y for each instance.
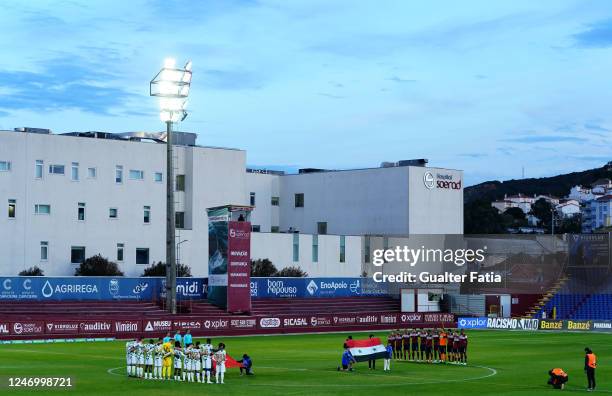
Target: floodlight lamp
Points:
(169, 63)
(172, 86)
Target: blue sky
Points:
(484, 86)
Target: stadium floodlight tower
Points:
(171, 85)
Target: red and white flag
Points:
(370, 348)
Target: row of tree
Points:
(101, 266)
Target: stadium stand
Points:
(325, 305)
(280, 306)
(587, 294)
(65, 309)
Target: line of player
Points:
(163, 360)
(429, 345)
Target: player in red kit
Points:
(436, 346)
(397, 346)
(414, 344)
(391, 340)
(406, 344)
(455, 347)
(422, 339)
(463, 341)
(428, 346)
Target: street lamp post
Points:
(171, 85)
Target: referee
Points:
(590, 364)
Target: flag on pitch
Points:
(230, 362)
(367, 349)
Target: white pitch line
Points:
(491, 373)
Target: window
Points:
(180, 182)
(12, 208)
(342, 248)
(118, 174)
(296, 247)
(113, 213)
(252, 200)
(322, 227)
(38, 170)
(136, 174)
(275, 201)
(159, 177)
(5, 166)
(179, 218)
(146, 214)
(44, 251)
(142, 255)
(56, 169)
(299, 200)
(74, 174)
(120, 251)
(77, 254)
(42, 209)
(367, 248)
(315, 248)
(81, 211)
(255, 228)
(274, 229)
(92, 173)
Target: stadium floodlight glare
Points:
(171, 85)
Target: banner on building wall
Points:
(239, 266)
(186, 288)
(42, 288)
(315, 287)
(77, 288)
(153, 288)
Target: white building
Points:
(568, 208)
(520, 201)
(379, 201)
(71, 197)
(581, 194)
(525, 202)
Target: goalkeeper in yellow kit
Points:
(167, 361)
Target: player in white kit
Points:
(149, 349)
(207, 352)
(178, 361)
(187, 369)
(158, 356)
(130, 357)
(197, 361)
(140, 357)
(219, 358)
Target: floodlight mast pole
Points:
(170, 224)
(171, 85)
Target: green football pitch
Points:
(500, 363)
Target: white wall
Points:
(265, 186)
(435, 210)
(279, 249)
(354, 202)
